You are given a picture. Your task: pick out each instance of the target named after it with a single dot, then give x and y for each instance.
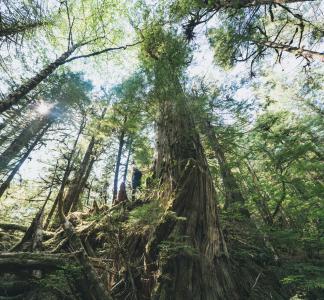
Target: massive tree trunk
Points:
(14, 97)
(188, 244)
(20, 162)
(233, 195)
(22, 141)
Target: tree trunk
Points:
(16, 168)
(261, 203)
(22, 141)
(82, 185)
(14, 97)
(195, 264)
(233, 195)
(129, 143)
(66, 174)
(77, 184)
(118, 159)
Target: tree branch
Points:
(102, 51)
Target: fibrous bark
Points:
(198, 269)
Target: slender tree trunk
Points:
(22, 141)
(261, 203)
(66, 175)
(16, 168)
(233, 195)
(129, 143)
(72, 197)
(82, 185)
(118, 159)
(297, 51)
(14, 97)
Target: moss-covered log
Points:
(15, 261)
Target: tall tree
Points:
(187, 186)
(233, 194)
(68, 91)
(90, 35)
(23, 139)
(22, 159)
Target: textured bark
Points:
(33, 236)
(82, 185)
(22, 140)
(90, 285)
(20, 162)
(14, 97)
(198, 267)
(122, 195)
(22, 228)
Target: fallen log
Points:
(15, 261)
(12, 288)
(22, 228)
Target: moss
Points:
(144, 217)
(171, 248)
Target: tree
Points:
(21, 18)
(69, 90)
(92, 36)
(187, 186)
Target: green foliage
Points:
(163, 50)
(59, 278)
(68, 89)
(304, 277)
(175, 248)
(225, 45)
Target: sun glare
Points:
(43, 108)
